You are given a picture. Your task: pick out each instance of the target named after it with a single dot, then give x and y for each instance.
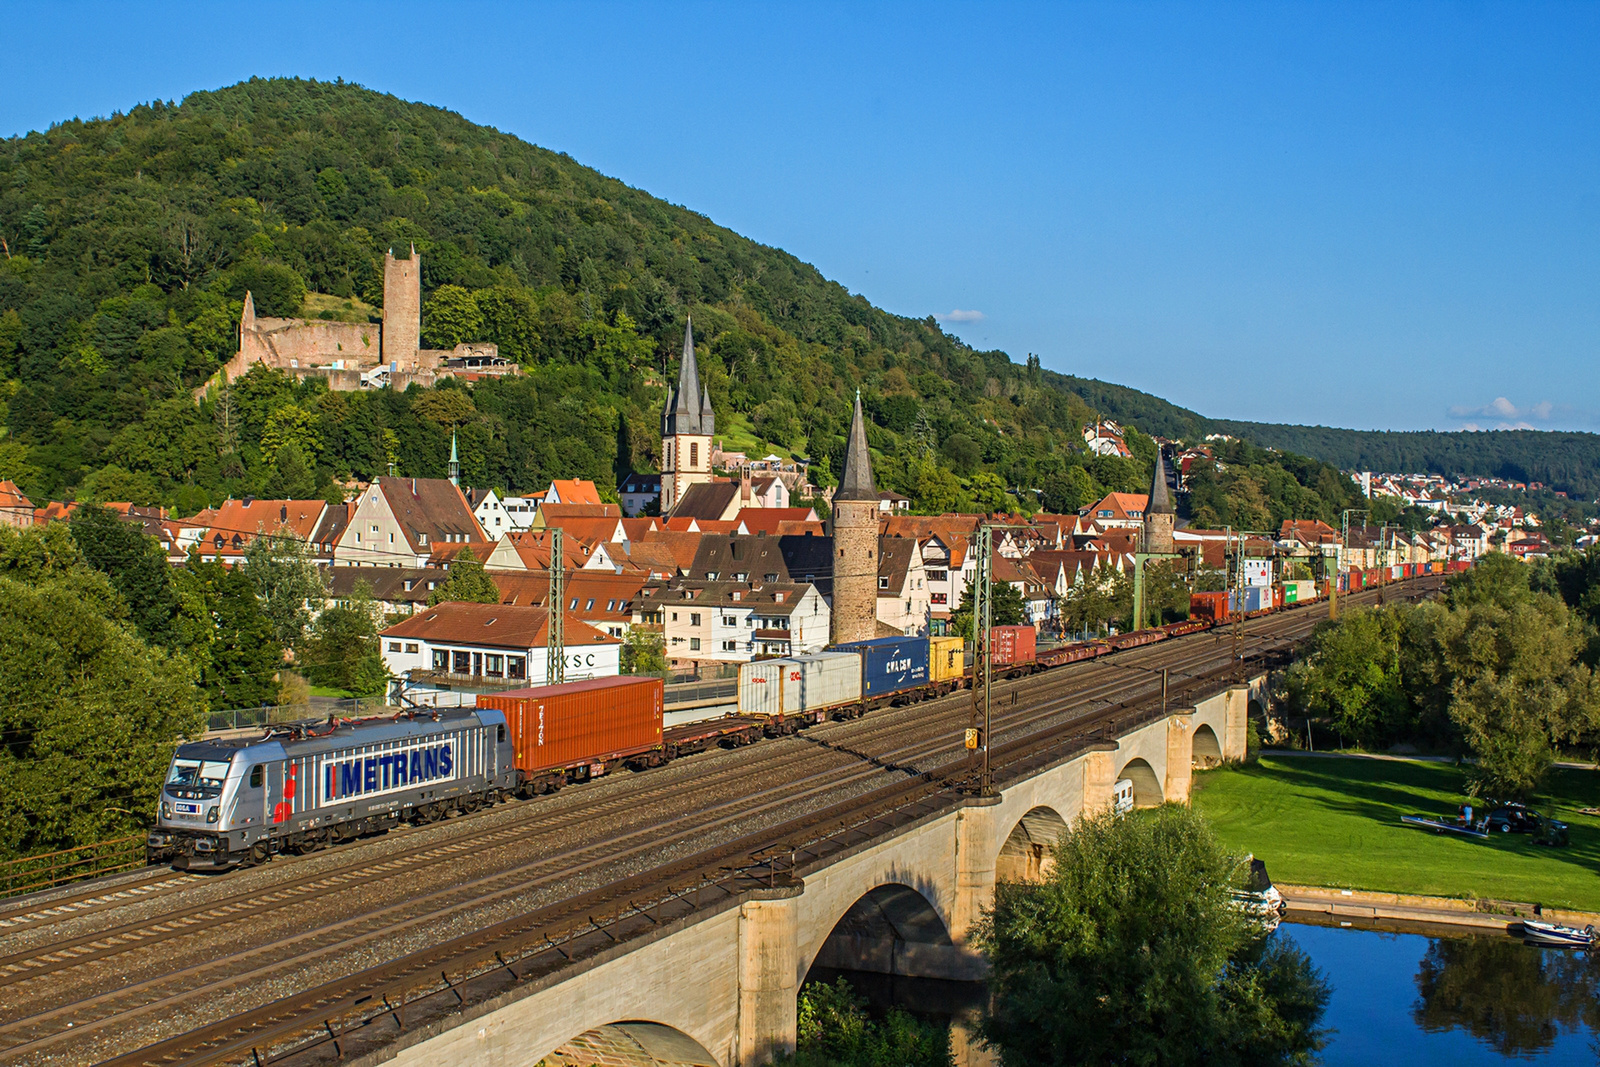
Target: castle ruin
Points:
(360, 355)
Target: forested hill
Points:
(128, 243)
(1561, 460)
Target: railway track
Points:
(892, 758)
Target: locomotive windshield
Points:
(207, 775)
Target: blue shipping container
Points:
(1257, 598)
(890, 664)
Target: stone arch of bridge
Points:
(1025, 855)
(892, 928)
(1146, 785)
(1205, 748)
(631, 1043)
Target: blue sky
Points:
(1370, 215)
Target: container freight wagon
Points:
(581, 730)
(1073, 653)
(1217, 607)
(1299, 591)
(1256, 598)
(947, 663)
(1012, 650)
(802, 688)
(889, 666)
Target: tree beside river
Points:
(1133, 950)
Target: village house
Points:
(397, 522)
(15, 508)
(903, 600)
(638, 492)
(1119, 511)
(706, 625)
(446, 655)
(237, 523)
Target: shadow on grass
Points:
(1381, 791)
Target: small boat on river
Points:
(1445, 825)
(1555, 935)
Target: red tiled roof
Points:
(494, 626)
(238, 522)
(12, 498)
(575, 491)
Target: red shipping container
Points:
(1012, 646)
(593, 721)
(1213, 606)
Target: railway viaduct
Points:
(718, 987)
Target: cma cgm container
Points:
(802, 686)
(581, 724)
(1013, 646)
(890, 664)
(947, 659)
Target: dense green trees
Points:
(133, 240)
(1566, 461)
(1005, 611)
(287, 584)
(342, 650)
(643, 653)
(238, 654)
(467, 581)
(88, 709)
(1497, 668)
(1132, 951)
(836, 1030)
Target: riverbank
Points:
(1500, 915)
(1321, 822)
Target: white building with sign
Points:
(446, 655)
(1257, 572)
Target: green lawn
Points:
(1336, 822)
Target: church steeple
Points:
(689, 405)
(855, 482)
(686, 428)
(455, 460)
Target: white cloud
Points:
(1506, 415)
(960, 316)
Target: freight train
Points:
(306, 786)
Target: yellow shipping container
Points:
(947, 658)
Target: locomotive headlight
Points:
(213, 813)
(166, 810)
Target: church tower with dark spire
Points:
(686, 428)
(855, 541)
(1159, 516)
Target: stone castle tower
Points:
(686, 428)
(855, 541)
(402, 309)
(1159, 518)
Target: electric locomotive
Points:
(303, 786)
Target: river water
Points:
(1419, 998)
(1410, 996)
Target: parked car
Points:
(1511, 819)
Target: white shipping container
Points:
(799, 684)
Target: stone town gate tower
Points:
(855, 541)
(1159, 517)
(402, 309)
